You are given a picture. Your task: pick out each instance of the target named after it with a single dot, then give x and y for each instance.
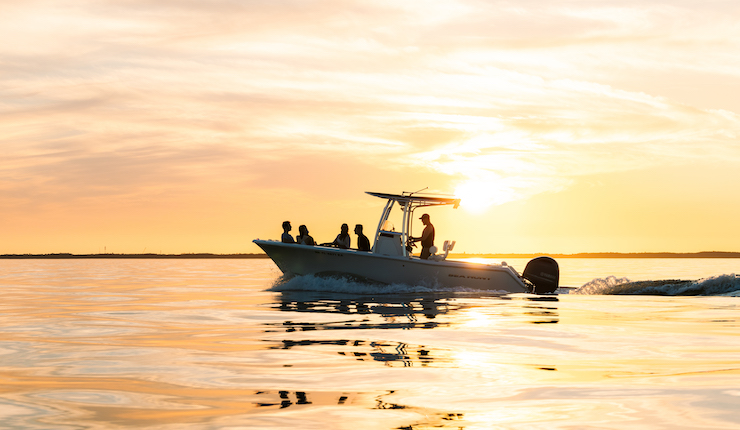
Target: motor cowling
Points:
(543, 273)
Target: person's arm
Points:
(423, 236)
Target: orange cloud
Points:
(145, 112)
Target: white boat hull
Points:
(320, 260)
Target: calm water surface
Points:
(218, 344)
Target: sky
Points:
(132, 126)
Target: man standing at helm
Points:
(426, 238)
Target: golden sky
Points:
(197, 126)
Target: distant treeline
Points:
(706, 254)
(197, 255)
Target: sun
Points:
(476, 196)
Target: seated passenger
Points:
(363, 243)
(287, 238)
(342, 241)
(303, 237)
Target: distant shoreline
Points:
(134, 256)
(706, 254)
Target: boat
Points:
(391, 261)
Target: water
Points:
(218, 344)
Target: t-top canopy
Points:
(418, 200)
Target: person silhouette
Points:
(303, 237)
(286, 237)
(363, 243)
(342, 240)
(426, 238)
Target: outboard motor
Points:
(543, 273)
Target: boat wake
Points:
(358, 285)
(723, 285)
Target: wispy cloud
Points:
(105, 99)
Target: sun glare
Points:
(476, 196)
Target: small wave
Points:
(356, 285)
(723, 285)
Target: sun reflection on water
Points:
(154, 346)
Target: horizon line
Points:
(207, 255)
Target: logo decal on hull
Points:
(480, 278)
(335, 254)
